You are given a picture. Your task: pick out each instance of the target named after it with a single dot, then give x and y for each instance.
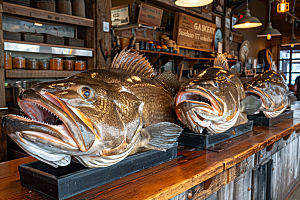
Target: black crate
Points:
(205, 141)
(65, 182)
(261, 120)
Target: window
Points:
(289, 63)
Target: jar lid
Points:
(80, 61)
(43, 60)
(56, 58)
(19, 57)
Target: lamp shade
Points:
(192, 3)
(269, 30)
(247, 21)
(291, 42)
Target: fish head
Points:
(80, 115)
(209, 100)
(270, 87)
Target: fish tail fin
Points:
(221, 61)
(169, 81)
(133, 62)
(162, 135)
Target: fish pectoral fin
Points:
(160, 136)
(250, 105)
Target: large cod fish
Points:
(214, 99)
(98, 116)
(271, 88)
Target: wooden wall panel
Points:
(103, 13)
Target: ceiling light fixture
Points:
(292, 41)
(269, 31)
(283, 6)
(192, 3)
(247, 21)
(38, 24)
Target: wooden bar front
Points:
(194, 174)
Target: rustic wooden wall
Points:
(271, 173)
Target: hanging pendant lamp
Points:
(269, 31)
(292, 41)
(247, 21)
(192, 3)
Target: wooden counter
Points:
(167, 180)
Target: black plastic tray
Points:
(65, 182)
(205, 141)
(261, 120)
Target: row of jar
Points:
(42, 64)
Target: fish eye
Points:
(85, 92)
(215, 83)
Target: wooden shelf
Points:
(159, 52)
(50, 45)
(12, 45)
(25, 11)
(21, 73)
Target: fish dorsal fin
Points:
(221, 61)
(133, 62)
(273, 67)
(169, 81)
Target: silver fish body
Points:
(271, 88)
(211, 100)
(98, 116)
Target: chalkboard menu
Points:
(193, 33)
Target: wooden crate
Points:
(51, 39)
(33, 37)
(7, 35)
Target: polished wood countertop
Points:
(166, 180)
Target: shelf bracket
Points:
(192, 63)
(164, 59)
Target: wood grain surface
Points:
(169, 179)
(46, 15)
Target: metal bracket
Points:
(145, 33)
(133, 31)
(154, 35)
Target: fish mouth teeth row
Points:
(27, 118)
(43, 108)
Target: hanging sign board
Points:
(120, 15)
(150, 15)
(193, 33)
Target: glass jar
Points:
(69, 65)
(43, 64)
(80, 65)
(7, 60)
(56, 64)
(31, 63)
(18, 63)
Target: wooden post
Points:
(103, 12)
(2, 77)
(3, 137)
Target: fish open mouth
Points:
(259, 94)
(39, 113)
(201, 99)
(51, 120)
(194, 97)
